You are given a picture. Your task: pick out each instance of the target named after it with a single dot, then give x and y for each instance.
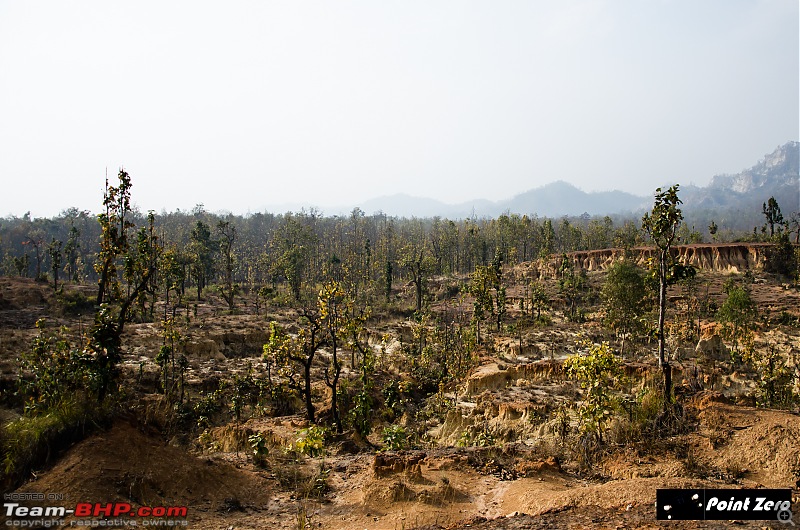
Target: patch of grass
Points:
(303, 480)
(76, 303)
(32, 441)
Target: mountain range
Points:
(777, 175)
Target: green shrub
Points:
(598, 372)
(311, 441)
(76, 303)
(259, 444)
(395, 438)
(54, 370)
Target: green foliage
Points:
(395, 438)
(538, 299)
(396, 396)
(311, 441)
(572, 285)
(206, 406)
(598, 371)
(229, 289)
(72, 255)
(292, 356)
(56, 258)
(783, 258)
(777, 377)
(737, 315)
(75, 303)
(201, 254)
(489, 291)
(259, 443)
(416, 260)
(247, 393)
(292, 245)
(31, 440)
(624, 297)
(115, 224)
(661, 224)
(773, 214)
(641, 424)
(476, 438)
(55, 369)
(362, 409)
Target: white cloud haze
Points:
(239, 105)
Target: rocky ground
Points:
(521, 480)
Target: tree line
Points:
(290, 253)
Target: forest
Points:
(300, 346)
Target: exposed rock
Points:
(203, 349)
(492, 377)
(527, 468)
(402, 462)
(712, 348)
(724, 257)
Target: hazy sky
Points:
(239, 105)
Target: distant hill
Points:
(777, 175)
(734, 195)
(552, 200)
(561, 198)
(734, 199)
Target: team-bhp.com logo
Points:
(120, 509)
(94, 514)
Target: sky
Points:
(241, 106)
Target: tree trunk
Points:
(307, 389)
(101, 290)
(662, 309)
(334, 400)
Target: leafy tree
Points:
(140, 263)
(598, 371)
(292, 353)
(292, 245)
(777, 378)
(480, 287)
(571, 285)
(387, 275)
(599, 234)
(773, 214)
(624, 294)
(227, 232)
(627, 236)
(737, 315)
(172, 272)
(334, 312)
(115, 224)
(489, 292)
(201, 249)
(793, 225)
(539, 299)
(362, 408)
(71, 253)
(416, 260)
(58, 370)
(36, 240)
(782, 257)
(712, 230)
(54, 251)
(547, 237)
(661, 224)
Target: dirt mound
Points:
(762, 444)
(125, 465)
